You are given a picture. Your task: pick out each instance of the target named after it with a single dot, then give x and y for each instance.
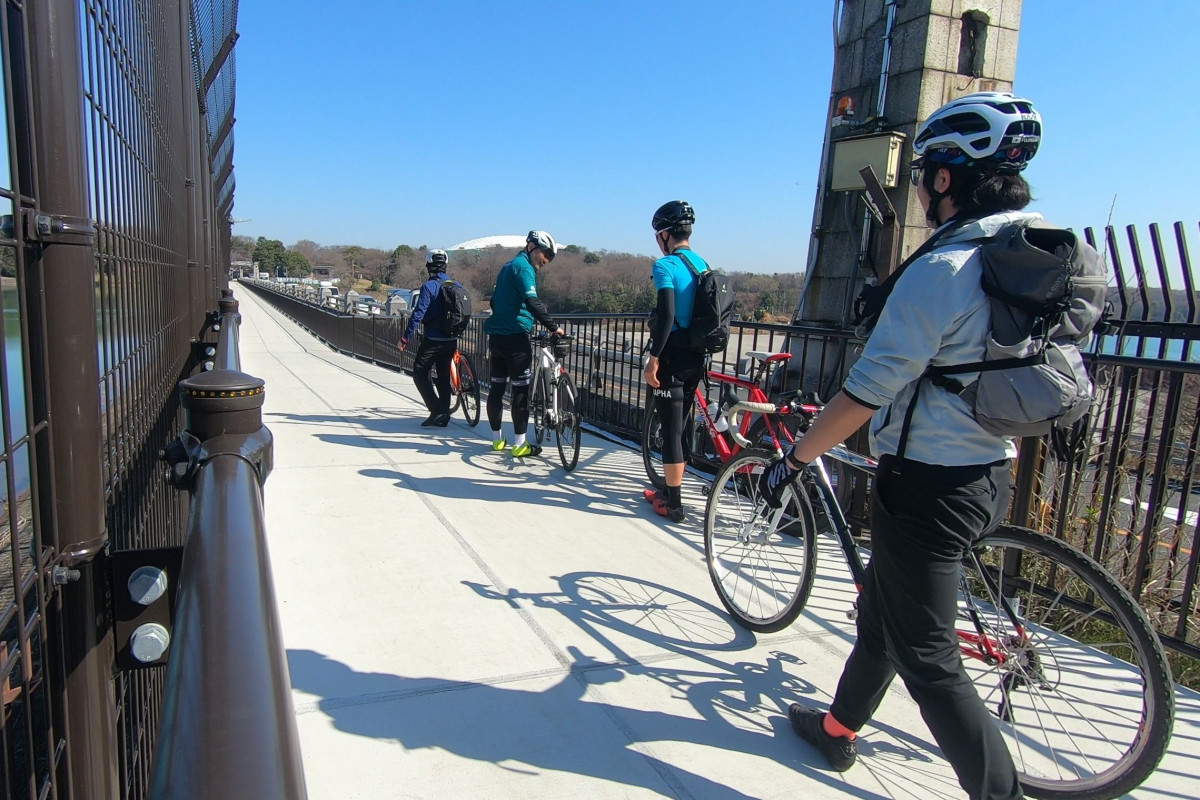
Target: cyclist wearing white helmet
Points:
(949, 481)
(515, 306)
(437, 347)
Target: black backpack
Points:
(456, 309)
(712, 310)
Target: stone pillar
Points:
(937, 50)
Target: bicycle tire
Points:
(468, 390)
(652, 442)
(762, 567)
(652, 446)
(1048, 691)
(567, 426)
(539, 397)
(454, 396)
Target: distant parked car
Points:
(365, 304)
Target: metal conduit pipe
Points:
(886, 66)
(880, 99)
(814, 241)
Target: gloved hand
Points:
(403, 344)
(776, 477)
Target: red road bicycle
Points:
(766, 425)
(1061, 654)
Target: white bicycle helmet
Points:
(997, 128)
(543, 241)
(436, 258)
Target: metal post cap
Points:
(222, 401)
(222, 390)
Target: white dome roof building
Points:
(506, 241)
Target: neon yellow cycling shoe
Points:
(526, 449)
(500, 445)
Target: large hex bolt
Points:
(147, 584)
(149, 642)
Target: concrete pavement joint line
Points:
(659, 765)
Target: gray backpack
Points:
(1048, 290)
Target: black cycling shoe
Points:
(839, 751)
(428, 423)
(439, 420)
(663, 509)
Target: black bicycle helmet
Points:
(676, 212)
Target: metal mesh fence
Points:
(125, 103)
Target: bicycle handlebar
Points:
(738, 408)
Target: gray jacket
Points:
(937, 314)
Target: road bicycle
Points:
(766, 424)
(464, 386)
(554, 398)
(1062, 655)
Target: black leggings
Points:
(512, 359)
(679, 373)
(923, 519)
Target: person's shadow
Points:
(567, 727)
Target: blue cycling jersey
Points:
(670, 272)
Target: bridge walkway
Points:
(462, 624)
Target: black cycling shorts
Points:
(680, 370)
(512, 358)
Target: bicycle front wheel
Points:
(468, 390)
(1067, 662)
(566, 428)
(539, 401)
(762, 562)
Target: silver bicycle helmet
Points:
(544, 242)
(436, 259)
(986, 129)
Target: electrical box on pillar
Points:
(880, 151)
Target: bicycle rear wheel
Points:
(454, 396)
(566, 428)
(652, 446)
(1078, 682)
(468, 390)
(762, 562)
(652, 442)
(539, 401)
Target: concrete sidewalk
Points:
(463, 624)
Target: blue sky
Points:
(382, 122)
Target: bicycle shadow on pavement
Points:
(569, 726)
(609, 607)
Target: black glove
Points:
(776, 477)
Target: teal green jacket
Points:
(515, 303)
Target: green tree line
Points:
(578, 281)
